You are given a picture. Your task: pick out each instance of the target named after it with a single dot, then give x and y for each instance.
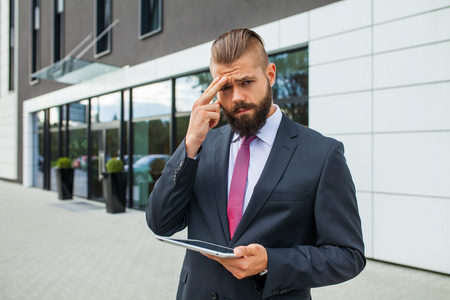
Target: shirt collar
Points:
(268, 132)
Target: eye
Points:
(225, 88)
(247, 82)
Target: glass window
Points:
(105, 108)
(54, 143)
(103, 20)
(58, 29)
(35, 37)
(187, 90)
(152, 100)
(78, 145)
(151, 137)
(150, 17)
(64, 142)
(105, 137)
(126, 105)
(11, 43)
(38, 155)
(290, 90)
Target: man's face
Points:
(246, 98)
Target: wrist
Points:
(192, 149)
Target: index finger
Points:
(212, 90)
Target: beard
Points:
(248, 125)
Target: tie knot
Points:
(248, 139)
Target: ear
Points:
(271, 73)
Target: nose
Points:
(238, 95)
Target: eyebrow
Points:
(245, 78)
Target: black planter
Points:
(64, 183)
(114, 191)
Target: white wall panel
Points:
(412, 231)
(28, 148)
(185, 61)
(418, 30)
(385, 10)
(347, 113)
(414, 108)
(8, 136)
(341, 77)
(365, 211)
(424, 64)
(294, 30)
(412, 163)
(271, 35)
(339, 17)
(358, 153)
(342, 46)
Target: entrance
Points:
(105, 145)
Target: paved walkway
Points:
(53, 249)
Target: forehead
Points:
(244, 67)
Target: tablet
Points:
(200, 246)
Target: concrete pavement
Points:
(53, 249)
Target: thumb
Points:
(246, 250)
(239, 251)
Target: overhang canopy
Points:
(73, 70)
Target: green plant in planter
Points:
(114, 165)
(114, 186)
(64, 174)
(64, 163)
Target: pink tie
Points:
(238, 182)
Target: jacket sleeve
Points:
(167, 205)
(338, 253)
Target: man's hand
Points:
(204, 116)
(252, 260)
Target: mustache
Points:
(241, 105)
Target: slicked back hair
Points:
(232, 45)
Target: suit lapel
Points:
(220, 175)
(279, 157)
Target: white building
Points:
(379, 81)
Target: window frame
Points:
(58, 30)
(108, 35)
(35, 40)
(140, 19)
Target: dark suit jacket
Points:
(303, 210)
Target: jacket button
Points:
(214, 295)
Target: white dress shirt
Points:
(259, 152)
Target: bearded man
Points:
(292, 219)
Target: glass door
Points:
(105, 145)
(105, 142)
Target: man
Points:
(298, 226)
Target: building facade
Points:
(96, 79)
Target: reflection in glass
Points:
(182, 126)
(38, 155)
(77, 114)
(54, 117)
(297, 110)
(292, 74)
(78, 146)
(290, 90)
(105, 108)
(54, 144)
(105, 141)
(152, 100)
(126, 105)
(189, 88)
(97, 145)
(152, 149)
